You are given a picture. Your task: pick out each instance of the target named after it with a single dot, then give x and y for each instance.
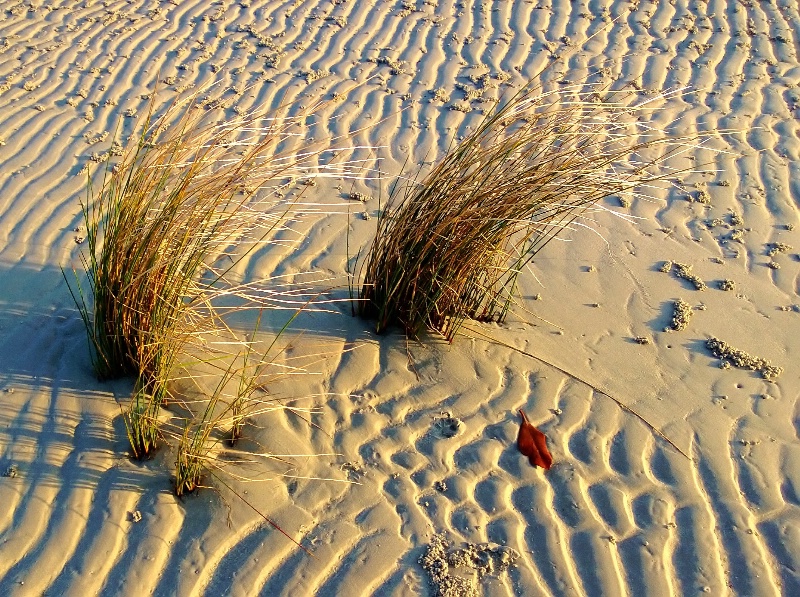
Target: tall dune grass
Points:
(451, 245)
(164, 213)
(164, 230)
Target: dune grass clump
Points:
(207, 438)
(451, 245)
(164, 230)
(163, 214)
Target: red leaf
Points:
(533, 444)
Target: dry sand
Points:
(620, 512)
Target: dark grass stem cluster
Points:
(451, 245)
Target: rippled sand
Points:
(621, 511)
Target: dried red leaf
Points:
(533, 444)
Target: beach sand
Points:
(412, 451)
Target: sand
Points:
(417, 440)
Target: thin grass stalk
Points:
(224, 410)
(141, 422)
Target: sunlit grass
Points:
(169, 222)
(451, 245)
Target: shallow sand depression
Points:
(418, 439)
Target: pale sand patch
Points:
(620, 511)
